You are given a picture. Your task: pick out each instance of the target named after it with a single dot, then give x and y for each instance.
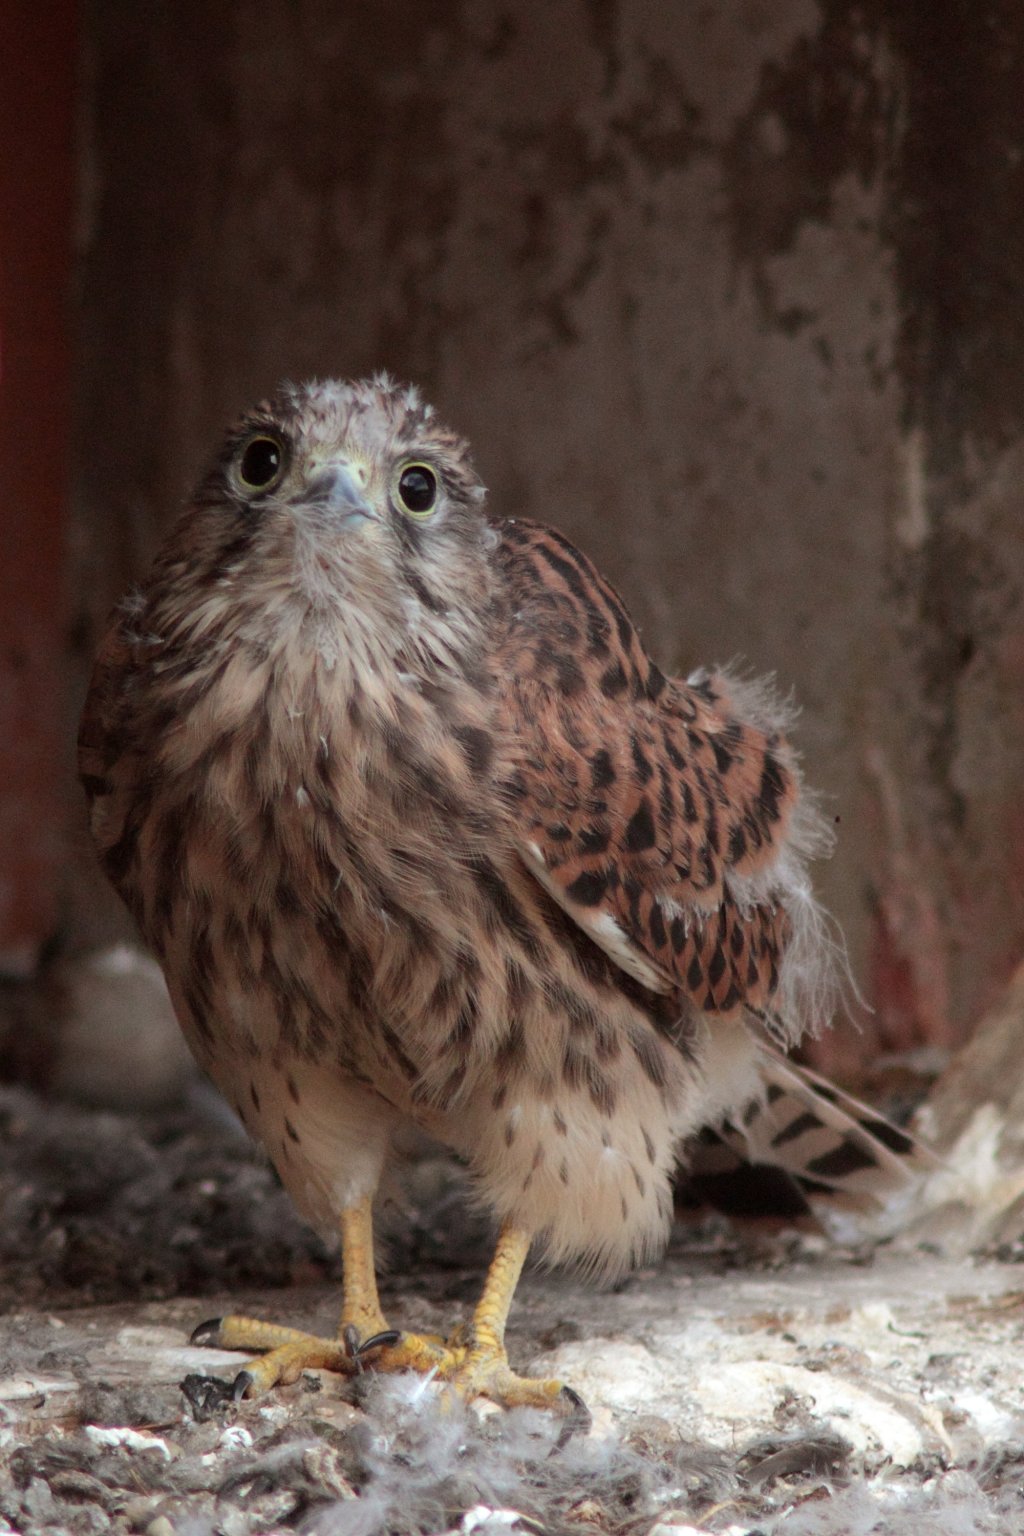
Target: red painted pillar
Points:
(38, 49)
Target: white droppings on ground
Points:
(130, 1439)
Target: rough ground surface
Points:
(755, 1381)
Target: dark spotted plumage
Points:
(420, 833)
(653, 803)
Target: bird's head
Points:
(343, 508)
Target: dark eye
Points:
(417, 489)
(261, 463)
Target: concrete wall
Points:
(729, 291)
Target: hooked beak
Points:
(336, 490)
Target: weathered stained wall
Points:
(729, 291)
(38, 52)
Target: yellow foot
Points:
(287, 1352)
(468, 1369)
(481, 1369)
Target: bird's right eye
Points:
(261, 462)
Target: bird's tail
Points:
(802, 1145)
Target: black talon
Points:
(350, 1338)
(206, 1333)
(241, 1384)
(576, 1422)
(379, 1340)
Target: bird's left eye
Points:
(417, 489)
(261, 462)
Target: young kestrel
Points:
(419, 832)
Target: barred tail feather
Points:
(836, 1151)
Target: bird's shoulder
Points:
(568, 628)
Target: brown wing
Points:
(649, 808)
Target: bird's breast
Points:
(299, 851)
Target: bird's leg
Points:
(290, 1351)
(361, 1315)
(495, 1302)
(485, 1370)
